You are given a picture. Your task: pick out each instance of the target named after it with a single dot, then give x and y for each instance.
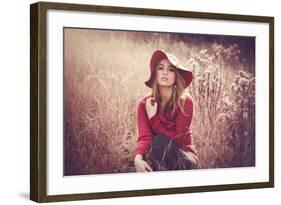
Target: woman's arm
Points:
(144, 139)
(144, 130)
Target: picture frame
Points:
(42, 84)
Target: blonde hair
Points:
(178, 93)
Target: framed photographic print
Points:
(135, 102)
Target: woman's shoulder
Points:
(142, 101)
(187, 99)
(186, 102)
(144, 98)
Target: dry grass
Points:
(104, 75)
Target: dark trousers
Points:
(164, 154)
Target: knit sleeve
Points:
(144, 130)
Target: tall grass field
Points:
(104, 74)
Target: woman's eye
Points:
(160, 68)
(172, 69)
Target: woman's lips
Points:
(164, 78)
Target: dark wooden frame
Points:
(38, 100)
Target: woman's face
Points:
(165, 73)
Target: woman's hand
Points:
(151, 107)
(141, 165)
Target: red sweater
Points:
(175, 125)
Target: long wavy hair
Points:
(178, 93)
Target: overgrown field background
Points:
(104, 74)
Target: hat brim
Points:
(159, 55)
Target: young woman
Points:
(164, 118)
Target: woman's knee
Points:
(159, 145)
(159, 140)
(192, 158)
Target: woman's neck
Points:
(165, 93)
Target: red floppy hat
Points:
(159, 55)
